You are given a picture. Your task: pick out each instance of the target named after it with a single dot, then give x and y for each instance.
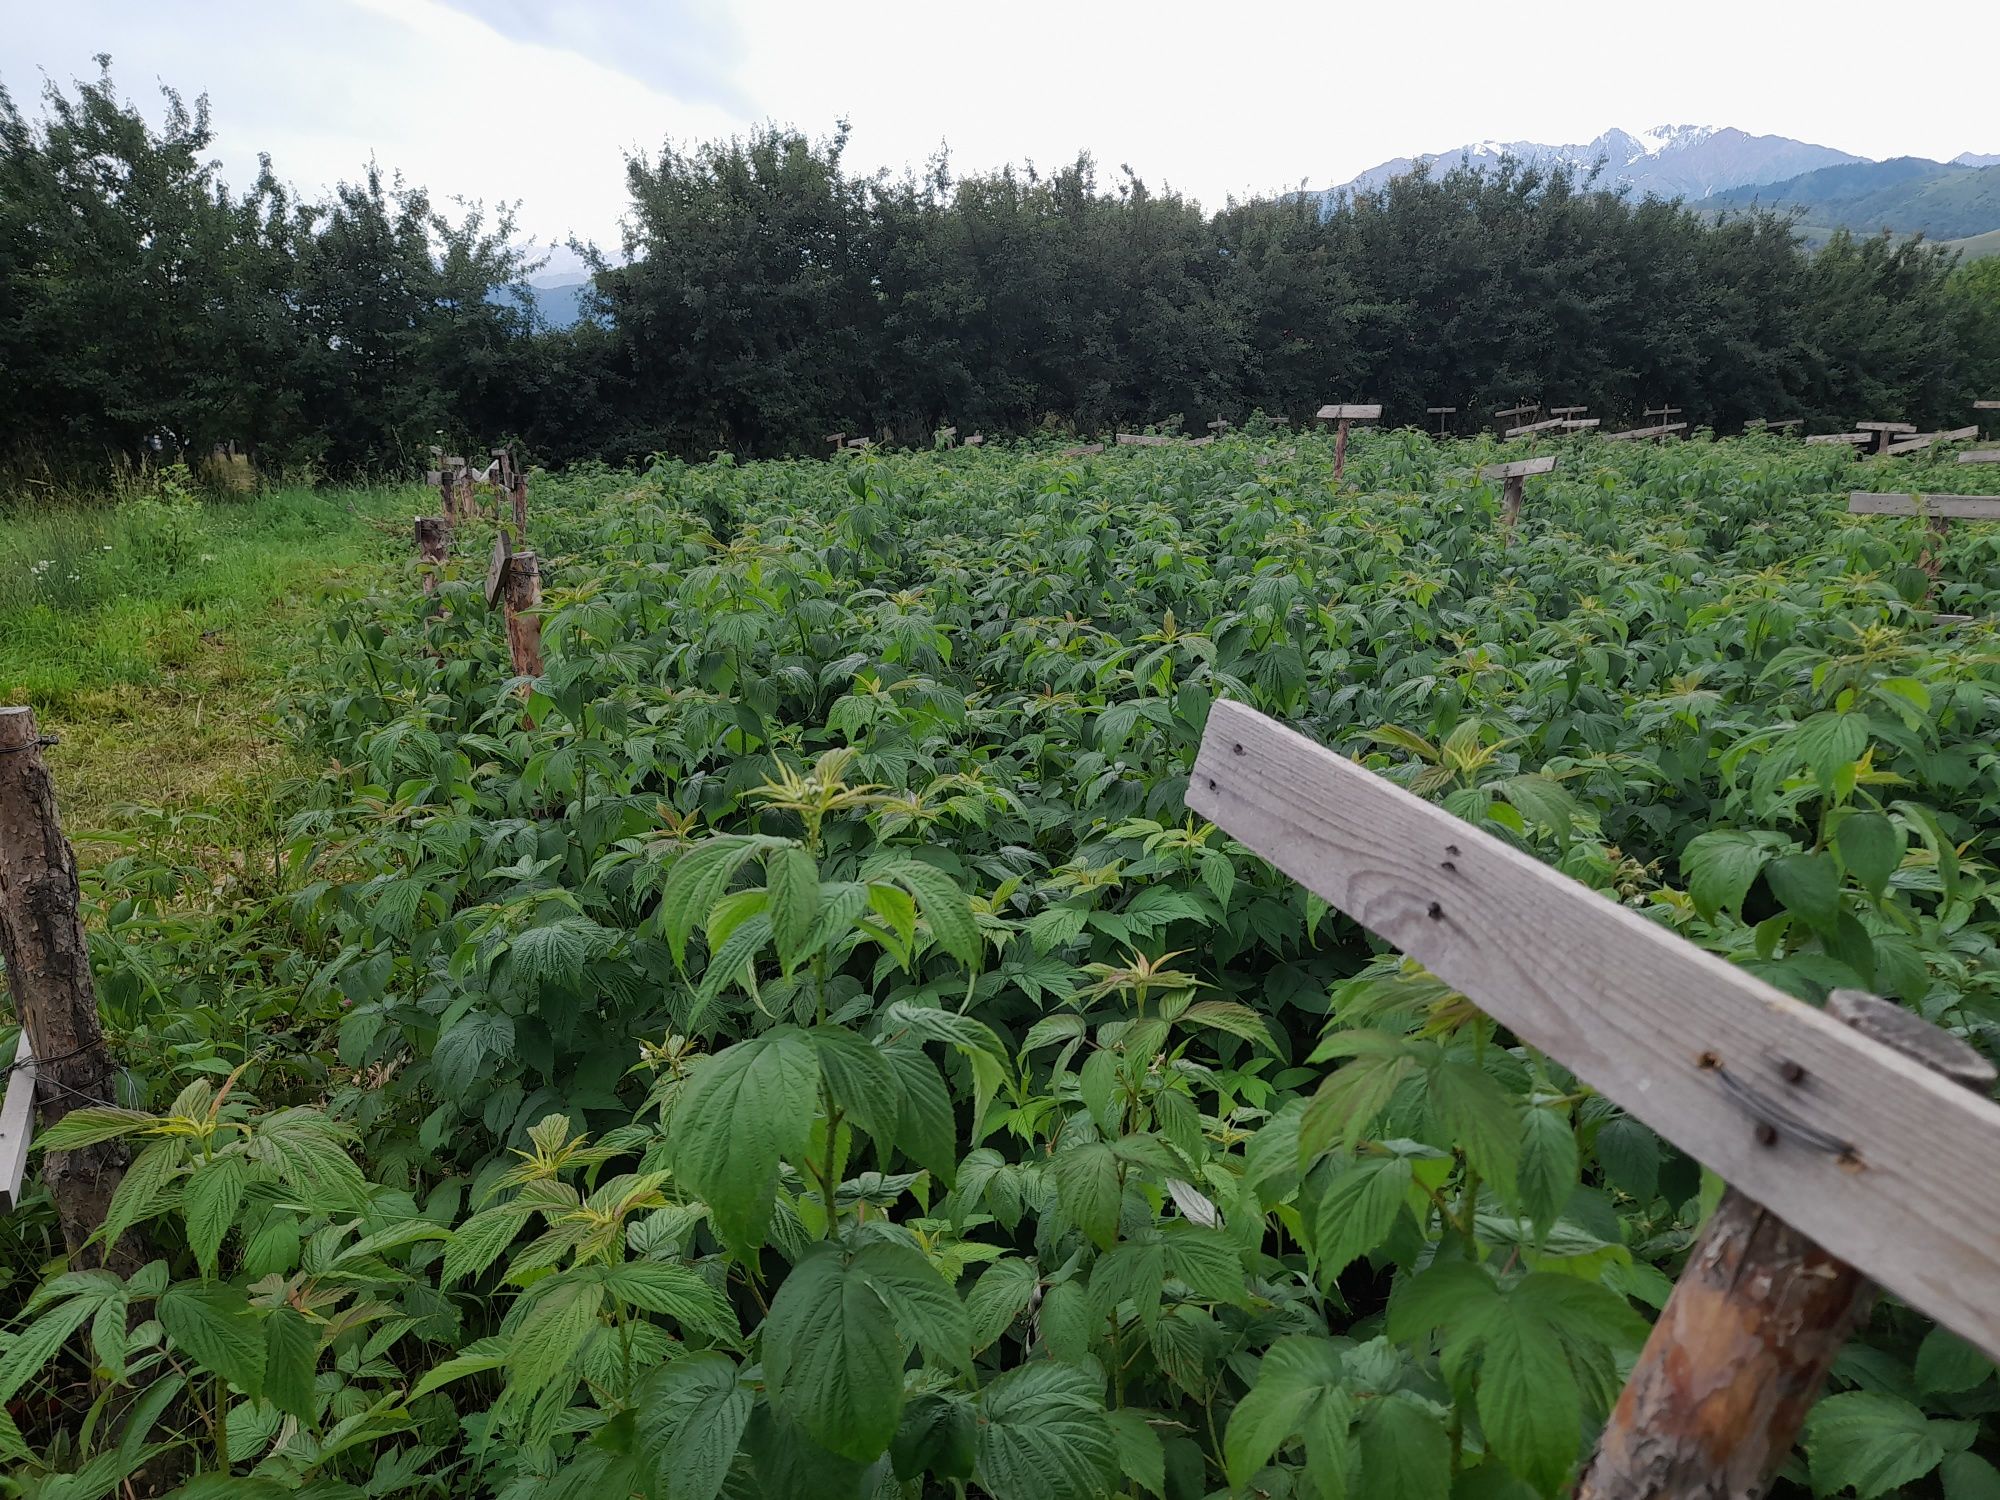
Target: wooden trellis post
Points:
(1885, 433)
(433, 534)
(1529, 410)
(1980, 456)
(1848, 1126)
(1441, 412)
(49, 979)
(514, 581)
(1513, 477)
(1219, 426)
(1665, 422)
(1526, 429)
(1341, 416)
(1660, 430)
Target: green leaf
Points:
(37, 1344)
(1871, 846)
(832, 1357)
(1548, 1169)
(1405, 1451)
(139, 1191)
(1809, 886)
(214, 1327)
(1870, 1443)
(674, 1291)
(1206, 1261)
(1947, 1364)
(937, 1436)
(477, 1243)
(1722, 865)
(1087, 1185)
(1357, 1211)
(1542, 802)
(1967, 1476)
(1630, 1156)
(925, 1307)
(863, 1081)
(209, 1203)
(741, 1110)
(1225, 1015)
(463, 1052)
(945, 907)
(562, 1315)
(998, 1297)
(1045, 1436)
(1830, 742)
(792, 879)
(1528, 1398)
(1481, 1118)
(1141, 1458)
(691, 1414)
(475, 1358)
(1067, 1322)
(926, 1128)
(1298, 1393)
(291, 1357)
(1348, 1102)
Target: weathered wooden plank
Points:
(1142, 440)
(1548, 426)
(1980, 456)
(1350, 413)
(1520, 468)
(497, 566)
(1082, 450)
(1645, 432)
(1937, 507)
(1840, 437)
(1517, 411)
(17, 1124)
(1885, 426)
(1869, 1142)
(1958, 434)
(1566, 411)
(1986, 406)
(1911, 445)
(1441, 411)
(1579, 424)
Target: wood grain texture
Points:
(1350, 413)
(1520, 468)
(1549, 426)
(1517, 411)
(1986, 406)
(1649, 1020)
(1840, 437)
(1885, 426)
(1645, 432)
(1441, 411)
(1938, 507)
(1980, 456)
(17, 1124)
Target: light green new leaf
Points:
(540, 1347)
(1045, 1436)
(477, 1243)
(1722, 865)
(741, 1110)
(140, 1190)
(1226, 1015)
(944, 906)
(88, 1126)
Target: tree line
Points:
(765, 295)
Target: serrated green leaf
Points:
(1045, 1436)
(1871, 846)
(1087, 1184)
(1870, 1443)
(1356, 1212)
(291, 1355)
(832, 1357)
(209, 1202)
(690, 1419)
(740, 1112)
(998, 1297)
(1548, 1166)
(792, 879)
(215, 1329)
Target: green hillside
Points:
(1907, 195)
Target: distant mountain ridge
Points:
(1906, 194)
(1691, 161)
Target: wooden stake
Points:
(519, 489)
(48, 976)
(1341, 416)
(1744, 1344)
(523, 593)
(433, 545)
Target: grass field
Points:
(152, 634)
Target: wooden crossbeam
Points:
(1765, 424)
(1082, 450)
(1849, 438)
(1142, 440)
(1933, 507)
(1567, 411)
(1441, 411)
(1350, 413)
(1980, 456)
(1986, 406)
(1645, 432)
(1549, 426)
(1518, 411)
(1870, 1143)
(1885, 427)
(1579, 424)
(1926, 439)
(1519, 468)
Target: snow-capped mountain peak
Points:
(1690, 161)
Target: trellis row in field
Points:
(1841, 1132)
(1925, 440)
(1441, 412)
(1764, 424)
(1548, 425)
(1939, 510)
(1846, 439)
(1657, 432)
(1341, 416)
(1513, 476)
(1885, 433)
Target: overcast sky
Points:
(540, 100)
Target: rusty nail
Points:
(1790, 1071)
(1447, 865)
(1435, 912)
(1767, 1133)
(1708, 1060)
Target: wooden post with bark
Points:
(1761, 1311)
(1938, 511)
(1840, 1131)
(522, 591)
(48, 978)
(1513, 478)
(1441, 412)
(433, 534)
(1341, 417)
(1885, 432)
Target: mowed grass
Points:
(153, 636)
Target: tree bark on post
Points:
(1339, 450)
(1744, 1344)
(1510, 502)
(524, 628)
(433, 544)
(519, 489)
(48, 975)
